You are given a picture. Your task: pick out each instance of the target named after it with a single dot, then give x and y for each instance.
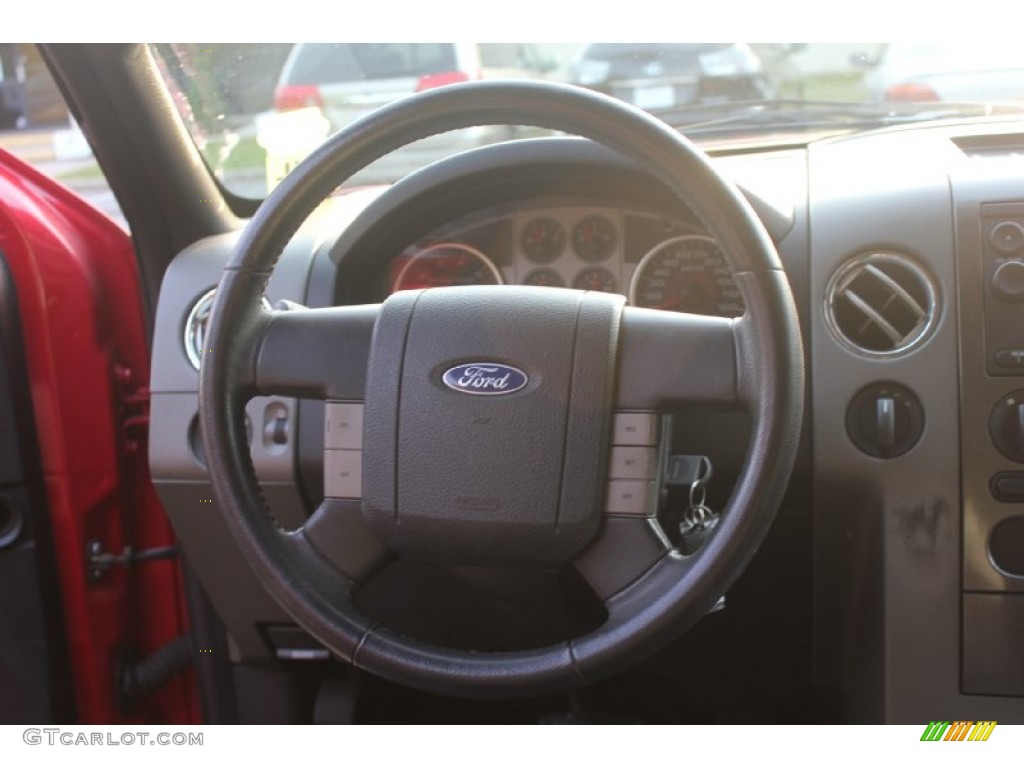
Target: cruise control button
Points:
(343, 426)
(632, 463)
(630, 497)
(635, 429)
(343, 474)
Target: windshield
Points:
(256, 110)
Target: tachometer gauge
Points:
(593, 238)
(546, 277)
(444, 264)
(543, 240)
(687, 274)
(596, 279)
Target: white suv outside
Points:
(348, 80)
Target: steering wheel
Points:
(475, 425)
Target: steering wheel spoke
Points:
(668, 359)
(626, 547)
(315, 353)
(338, 532)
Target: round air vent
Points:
(195, 326)
(881, 304)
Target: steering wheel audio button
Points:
(629, 497)
(343, 474)
(632, 463)
(635, 429)
(343, 426)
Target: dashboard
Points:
(896, 532)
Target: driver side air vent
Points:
(195, 326)
(881, 304)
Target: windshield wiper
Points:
(789, 114)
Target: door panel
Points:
(80, 321)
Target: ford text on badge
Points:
(485, 379)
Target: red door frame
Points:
(77, 282)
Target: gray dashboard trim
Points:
(887, 541)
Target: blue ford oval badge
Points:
(485, 379)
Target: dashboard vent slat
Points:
(881, 304)
(873, 317)
(898, 290)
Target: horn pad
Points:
(515, 472)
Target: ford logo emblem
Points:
(485, 379)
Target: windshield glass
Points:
(256, 110)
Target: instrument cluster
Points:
(657, 261)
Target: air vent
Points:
(195, 326)
(881, 304)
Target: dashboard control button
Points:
(632, 463)
(293, 644)
(635, 429)
(1006, 546)
(343, 474)
(275, 424)
(629, 497)
(1006, 426)
(1008, 487)
(885, 420)
(1007, 237)
(343, 426)
(1010, 358)
(1008, 281)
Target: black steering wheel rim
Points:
(674, 592)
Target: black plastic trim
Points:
(35, 540)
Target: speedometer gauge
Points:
(687, 274)
(444, 264)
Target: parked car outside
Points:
(346, 81)
(956, 72)
(653, 76)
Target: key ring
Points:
(698, 490)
